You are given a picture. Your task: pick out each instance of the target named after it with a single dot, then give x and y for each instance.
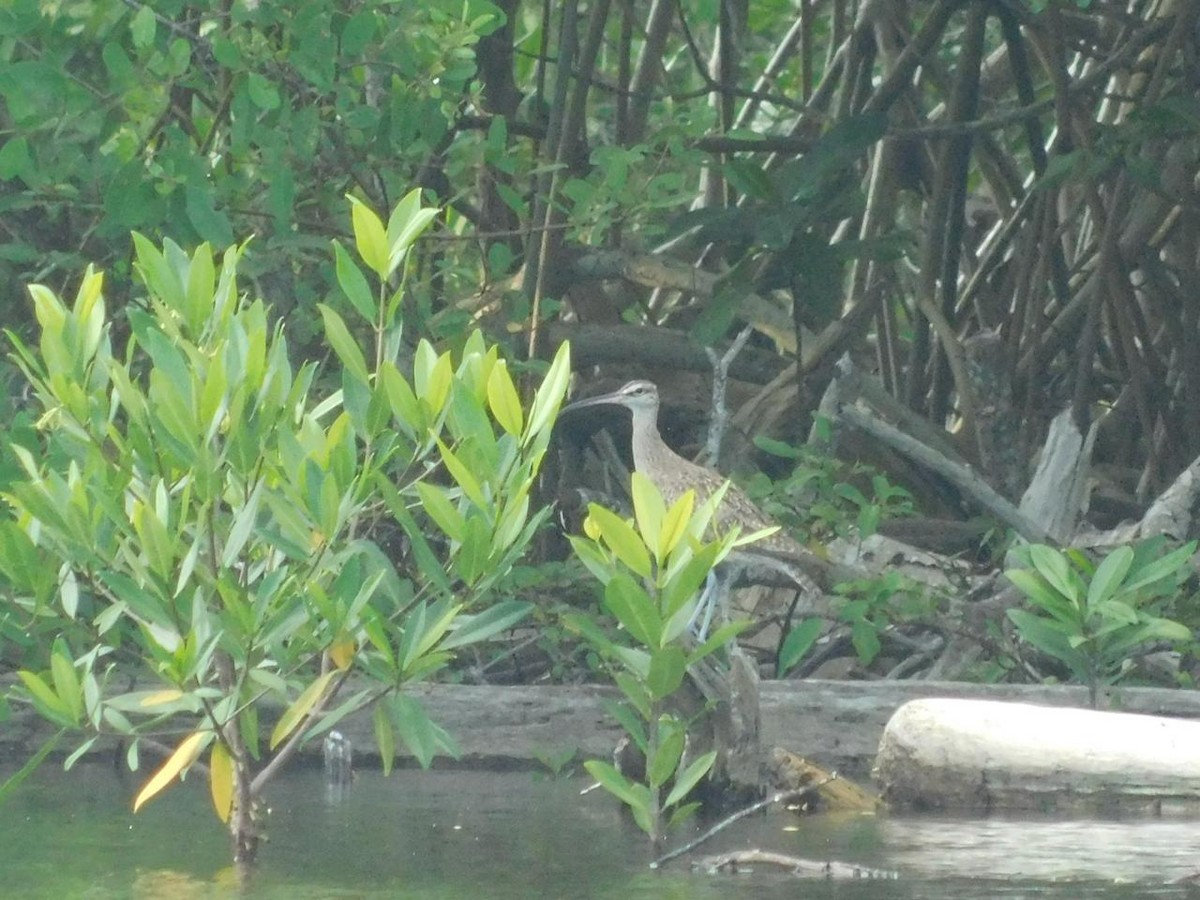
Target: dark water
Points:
(487, 835)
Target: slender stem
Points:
(780, 797)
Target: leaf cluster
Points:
(652, 570)
(1094, 618)
(204, 515)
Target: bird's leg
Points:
(714, 598)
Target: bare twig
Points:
(778, 797)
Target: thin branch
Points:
(778, 797)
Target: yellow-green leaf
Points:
(220, 780)
(441, 510)
(675, 523)
(648, 511)
(549, 396)
(182, 757)
(159, 698)
(66, 682)
(89, 311)
(201, 281)
(504, 400)
(295, 713)
(621, 538)
(369, 237)
(406, 223)
(43, 693)
(463, 476)
(438, 388)
(342, 652)
(385, 738)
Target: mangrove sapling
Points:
(1092, 618)
(652, 571)
(210, 518)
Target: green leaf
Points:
(68, 593)
(370, 238)
(586, 627)
(865, 638)
(684, 583)
(549, 396)
(439, 508)
(1053, 566)
(423, 737)
(385, 737)
(681, 814)
(1050, 639)
(296, 713)
(160, 279)
(408, 221)
(672, 737)
(263, 93)
(463, 476)
(632, 685)
(343, 343)
(481, 626)
(718, 314)
(690, 777)
(142, 27)
(1172, 567)
(16, 160)
(628, 601)
(627, 717)
(1109, 575)
(427, 561)
(1036, 589)
(617, 784)
(718, 639)
(1116, 613)
(798, 642)
(401, 399)
(244, 520)
(354, 284)
(667, 668)
(415, 631)
(210, 223)
(636, 661)
(66, 680)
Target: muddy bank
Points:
(835, 723)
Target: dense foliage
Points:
(195, 533)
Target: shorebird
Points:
(673, 476)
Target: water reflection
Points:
(1044, 849)
(481, 835)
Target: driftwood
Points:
(801, 868)
(1172, 514)
(1057, 493)
(982, 755)
(965, 479)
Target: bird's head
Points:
(638, 396)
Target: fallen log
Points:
(837, 724)
(980, 756)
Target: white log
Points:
(983, 755)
